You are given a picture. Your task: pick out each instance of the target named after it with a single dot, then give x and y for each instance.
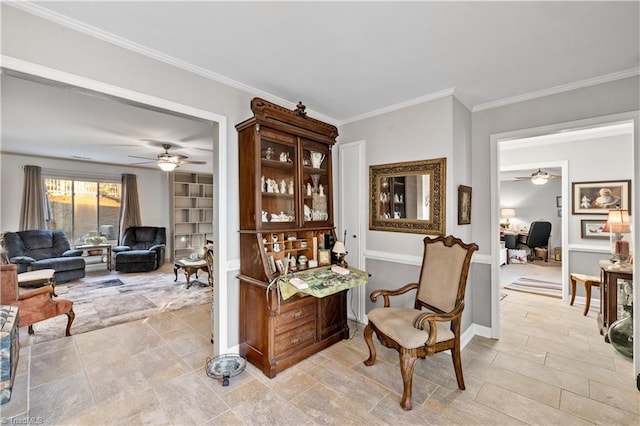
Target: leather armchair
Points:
(33, 305)
(44, 249)
(142, 249)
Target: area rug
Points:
(536, 286)
(109, 302)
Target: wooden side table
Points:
(189, 267)
(610, 274)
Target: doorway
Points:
(352, 175)
(582, 164)
(219, 169)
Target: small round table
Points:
(189, 267)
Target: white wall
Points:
(152, 187)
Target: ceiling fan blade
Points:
(144, 158)
(192, 162)
(142, 162)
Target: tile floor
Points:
(550, 367)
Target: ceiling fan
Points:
(539, 177)
(166, 161)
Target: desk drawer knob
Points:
(297, 315)
(295, 341)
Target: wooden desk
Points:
(610, 273)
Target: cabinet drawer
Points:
(296, 338)
(293, 314)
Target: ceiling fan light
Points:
(539, 178)
(166, 164)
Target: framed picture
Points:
(464, 205)
(559, 201)
(592, 229)
(559, 212)
(280, 265)
(600, 197)
(324, 257)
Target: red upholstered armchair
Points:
(34, 305)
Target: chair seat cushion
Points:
(136, 256)
(59, 264)
(397, 323)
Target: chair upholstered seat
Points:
(397, 323)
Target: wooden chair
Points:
(415, 333)
(34, 305)
(587, 281)
(208, 257)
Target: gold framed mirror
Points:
(408, 197)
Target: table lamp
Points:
(341, 251)
(506, 214)
(619, 226)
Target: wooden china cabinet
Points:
(286, 211)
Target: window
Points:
(84, 208)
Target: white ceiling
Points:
(347, 60)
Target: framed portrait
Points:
(280, 265)
(592, 229)
(600, 197)
(464, 205)
(559, 201)
(324, 257)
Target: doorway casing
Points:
(219, 309)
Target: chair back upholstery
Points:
(539, 233)
(144, 237)
(9, 283)
(38, 244)
(443, 277)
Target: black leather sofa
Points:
(44, 249)
(141, 250)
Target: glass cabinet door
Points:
(316, 184)
(278, 179)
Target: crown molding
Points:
(91, 31)
(400, 105)
(559, 89)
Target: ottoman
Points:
(136, 261)
(9, 349)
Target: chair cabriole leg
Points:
(71, 316)
(407, 363)
(368, 338)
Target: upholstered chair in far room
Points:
(141, 249)
(538, 238)
(34, 305)
(414, 332)
(38, 249)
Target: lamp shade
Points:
(618, 222)
(339, 248)
(507, 213)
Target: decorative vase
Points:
(621, 335)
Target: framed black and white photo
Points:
(559, 201)
(601, 196)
